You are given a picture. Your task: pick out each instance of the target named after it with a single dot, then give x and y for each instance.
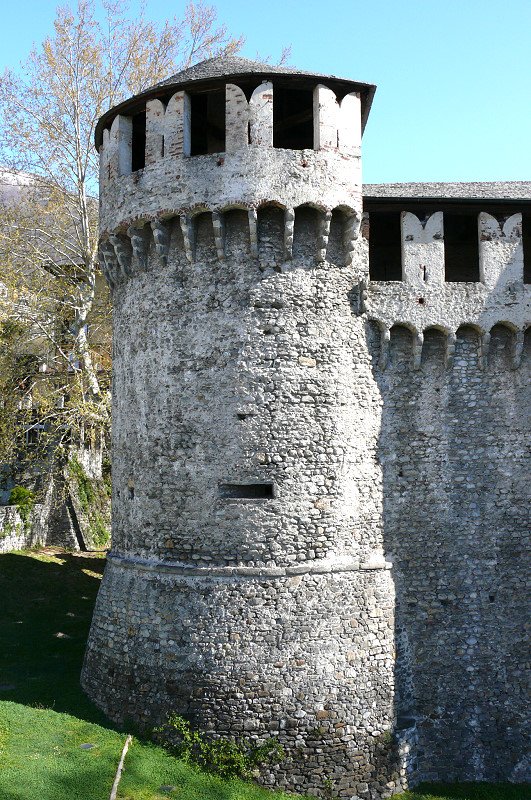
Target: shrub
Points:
(24, 500)
(224, 757)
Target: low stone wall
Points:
(17, 535)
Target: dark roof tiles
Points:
(220, 66)
(488, 190)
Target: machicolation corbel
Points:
(161, 237)
(139, 237)
(124, 252)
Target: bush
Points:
(224, 757)
(24, 500)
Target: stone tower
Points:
(287, 424)
(246, 585)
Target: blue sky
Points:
(454, 76)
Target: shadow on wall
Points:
(452, 449)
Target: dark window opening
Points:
(293, 119)
(385, 247)
(246, 491)
(461, 247)
(33, 434)
(526, 241)
(138, 142)
(207, 122)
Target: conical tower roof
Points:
(242, 71)
(221, 66)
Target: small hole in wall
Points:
(242, 417)
(131, 492)
(421, 301)
(400, 474)
(246, 491)
(492, 598)
(267, 331)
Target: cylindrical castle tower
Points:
(246, 587)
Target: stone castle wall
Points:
(316, 531)
(456, 516)
(16, 534)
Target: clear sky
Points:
(454, 76)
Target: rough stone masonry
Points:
(319, 513)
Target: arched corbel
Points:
(140, 245)
(161, 237)
(352, 228)
(124, 253)
(217, 226)
(483, 350)
(188, 236)
(450, 349)
(418, 341)
(253, 231)
(323, 234)
(108, 263)
(385, 339)
(289, 228)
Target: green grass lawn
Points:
(47, 600)
(467, 791)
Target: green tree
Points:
(98, 55)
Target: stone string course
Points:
(369, 611)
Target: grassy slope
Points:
(40, 756)
(467, 791)
(45, 717)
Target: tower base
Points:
(303, 654)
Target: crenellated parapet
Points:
(444, 270)
(273, 137)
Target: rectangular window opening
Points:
(207, 127)
(246, 491)
(385, 247)
(293, 119)
(138, 144)
(461, 248)
(526, 240)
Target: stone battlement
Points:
(172, 155)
